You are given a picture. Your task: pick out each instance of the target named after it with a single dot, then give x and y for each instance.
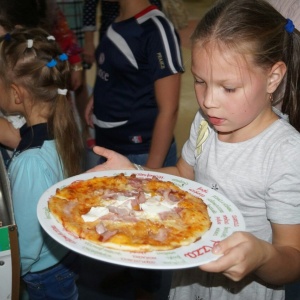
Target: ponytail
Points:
(32, 59)
(291, 96)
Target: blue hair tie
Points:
(7, 37)
(289, 27)
(52, 63)
(63, 57)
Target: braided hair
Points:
(32, 59)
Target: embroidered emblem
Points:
(215, 186)
(136, 139)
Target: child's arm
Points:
(167, 92)
(116, 161)
(277, 263)
(9, 135)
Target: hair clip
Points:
(63, 57)
(29, 43)
(52, 63)
(62, 92)
(7, 37)
(289, 27)
(50, 38)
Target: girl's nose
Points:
(209, 99)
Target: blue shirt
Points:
(34, 168)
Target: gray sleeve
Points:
(283, 194)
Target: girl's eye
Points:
(199, 81)
(227, 90)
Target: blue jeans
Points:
(141, 159)
(57, 282)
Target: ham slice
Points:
(120, 211)
(108, 234)
(161, 235)
(100, 228)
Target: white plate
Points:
(225, 217)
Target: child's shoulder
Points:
(37, 157)
(283, 139)
(37, 164)
(285, 129)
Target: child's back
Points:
(34, 77)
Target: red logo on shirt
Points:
(137, 139)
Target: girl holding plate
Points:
(245, 60)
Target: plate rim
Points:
(88, 175)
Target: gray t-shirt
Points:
(261, 177)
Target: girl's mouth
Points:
(215, 121)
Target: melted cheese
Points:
(150, 209)
(95, 213)
(153, 207)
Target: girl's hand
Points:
(115, 161)
(242, 253)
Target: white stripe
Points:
(153, 15)
(103, 124)
(120, 42)
(167, 47)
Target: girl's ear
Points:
(17, 93)
(276, 75)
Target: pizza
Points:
(130, 213)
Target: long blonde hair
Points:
(25, 55)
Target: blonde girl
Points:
(245, 60)
(34, 75)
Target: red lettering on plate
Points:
(62, 235)
(226, 220)
(200, 251)
(235, 221)
(196, 192)
(202, 190)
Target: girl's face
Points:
(232, 92)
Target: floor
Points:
(105, 281)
